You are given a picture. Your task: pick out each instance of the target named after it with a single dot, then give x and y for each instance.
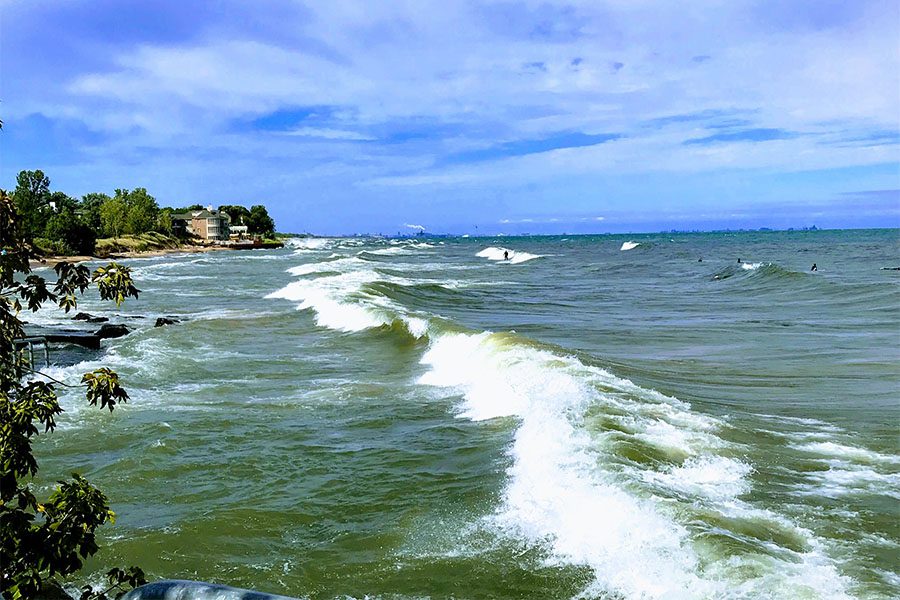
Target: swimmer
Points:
(814, 267)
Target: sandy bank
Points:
(51, 261)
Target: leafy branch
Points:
(41, 542)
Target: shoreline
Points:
(53, 260)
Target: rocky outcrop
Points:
(83, 316)
(112, 331)
(163, 321)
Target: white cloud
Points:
(328, 134)
(424, 83)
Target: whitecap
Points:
(844, 451)
(337, 299)
(714, 477)
(309, 243)
(506, 255)
(565, 489)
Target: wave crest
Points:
(506, 255)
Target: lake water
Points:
(373, 418)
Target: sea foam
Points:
(569, 489)
(334, 290)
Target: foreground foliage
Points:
(44, 540)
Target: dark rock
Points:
(83, 316)
(112, 331)
(161, 321)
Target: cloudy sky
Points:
(465, 116)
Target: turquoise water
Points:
(350, 418)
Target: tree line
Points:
(60, 224)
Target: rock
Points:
(112, 331)
(161, 321)
(83, 316)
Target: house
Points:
(206, 224)
(238, 232)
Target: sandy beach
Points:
(52, 261)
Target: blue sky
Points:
(465, 116)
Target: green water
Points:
(577, 421)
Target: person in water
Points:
(506, 255)
(739, 261)
(814, 267)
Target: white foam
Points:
(714, 477)
(889, 577)
(326, 296)
(337, 298)
(750, 266)
(385, 251)
(844, 451)
(629, 245)
(309, 243)
(500, 254)
(843, 478)
(554, 494)
(566, 491)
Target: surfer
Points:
(739, 261)
(814, 267)
(699, 260)
(506, 255)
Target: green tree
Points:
(60, 201)
(66, 228)
(42, 541)
(141, 210)
(112, 216)
(260, 222)
(239, 215)
(90, 210)
(31, 198)
(164, 221)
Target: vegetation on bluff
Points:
(56, 223)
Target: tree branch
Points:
(42, 374)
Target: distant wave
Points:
(757, 271)
(498, 254)
(309, 243)
(389, 251)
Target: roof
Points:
(202, 214)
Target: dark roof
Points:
(201, 214)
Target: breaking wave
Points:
(631, 483)
(594, 459)
(506, 255)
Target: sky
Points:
(465, 116)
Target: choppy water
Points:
(407, 419)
